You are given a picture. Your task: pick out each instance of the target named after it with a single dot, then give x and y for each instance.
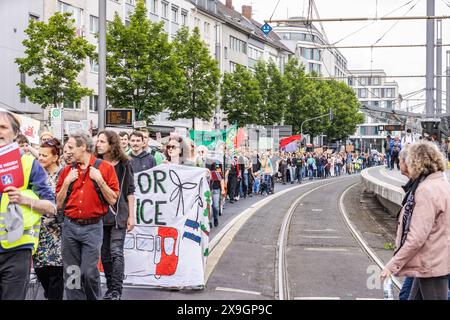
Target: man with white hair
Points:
(21, 209)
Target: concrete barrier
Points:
(390, 196)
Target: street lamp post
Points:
(329, 114)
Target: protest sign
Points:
(218, 142)
(29, 128)
(11, 172)
(169, 244)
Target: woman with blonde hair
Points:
(423, 233)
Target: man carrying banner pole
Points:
(19, 228)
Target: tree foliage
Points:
(309, 98)
(54, 57)
(200, 74)
(273, 91)
(142, 71)
(240, 97)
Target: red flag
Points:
(285, 141)
(240, 137)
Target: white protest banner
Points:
(169, 244)
(29, 128)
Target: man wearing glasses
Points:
(141, 160)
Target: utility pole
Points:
(102, 64)
(439, 67)
(448, 83)
(429, 89)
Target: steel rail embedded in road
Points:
(283, 280)
(359, 239)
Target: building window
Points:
(389, 92)
(154, 6)
(175, 14)
(376, 81)
(238, 45)
(376, 93)
(165, 10)
(196, 22)
(254, 53)
(206, 29)
(389, 104)
(68, 104)
(76, 12)
(93, 103)
(233, 66)
(130, 2)
(94, 65)
(184, 15)
(362, 93)
(350, 81)
(362, 81)
(93, 24)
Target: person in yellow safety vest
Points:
(35, 197)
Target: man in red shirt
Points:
(84, 193)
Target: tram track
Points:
(283, 290)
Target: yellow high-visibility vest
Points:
(31, 218)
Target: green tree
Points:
(201, 76)
(273, 90)
(240, 97)
(142, 72)
(346, 113)
(54, 56)
(304, 101)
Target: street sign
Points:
(266, 28)
(55, 113)
(119, 117)
(140, 124)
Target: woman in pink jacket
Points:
(423, 232)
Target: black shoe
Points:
(115, 295)
(216, 222)
(210, 225)
(232, 201)
(108, 295)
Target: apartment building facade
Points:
(311, 48)
(373, 90)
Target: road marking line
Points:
(323, 230)
(317, 298)
(321, 237)
(317, 210)
(238, 290)
(327, 249)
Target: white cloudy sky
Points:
(395, 61)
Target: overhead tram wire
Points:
(275, 9)
(371, 23)
(334, 54)
(381, 38)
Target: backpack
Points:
(96, 186)
(396, 148)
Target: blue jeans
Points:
(256, 185)
(215, 203)
(388, 160)
(81, 247)
(406, 288)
